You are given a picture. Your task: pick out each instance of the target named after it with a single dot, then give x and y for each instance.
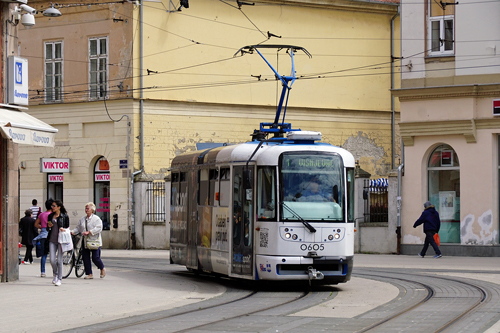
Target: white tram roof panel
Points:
(269, 153)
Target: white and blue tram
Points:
(270, 209)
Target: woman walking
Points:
(57, 221)
(90, 226)
(41, 223)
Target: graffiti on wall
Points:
(480, 231)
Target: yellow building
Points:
(177, 76)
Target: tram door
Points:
(192, 219)
(241, 262)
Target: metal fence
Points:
(155, 194)
(375, 195)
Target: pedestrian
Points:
(28, 232)
(41, 223)
(35, 209)
(90, 226)
(57, 221)
(432, 224)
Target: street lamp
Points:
(52, 12)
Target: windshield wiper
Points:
(304, 222)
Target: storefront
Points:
(452, 159)
(16, 128)
(102, 191)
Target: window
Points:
(266, 194)
(53, 71)
(444, 191)
(441, 21)
(102, 191)
(225, 187)
(98, 63)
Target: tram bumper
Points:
(328, 270)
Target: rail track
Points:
(428, 301)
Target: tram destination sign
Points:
(310, 162)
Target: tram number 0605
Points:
(312, 247)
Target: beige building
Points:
(450, 125)
(177, 76)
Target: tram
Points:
(270, 209)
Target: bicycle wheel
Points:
(68, 263)
(79, 268)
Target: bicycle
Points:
(74, 258)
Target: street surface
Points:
(142, 291)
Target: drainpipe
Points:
(141, 68)
(393, 114)
(398, 205)
(132, 232)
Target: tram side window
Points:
(213, 175)
(174, 197)
(203, 187)
(183, 189)
(224, 187)
(266, 193)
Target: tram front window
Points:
(312, 187)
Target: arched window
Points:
(102, 191)
(444, 191)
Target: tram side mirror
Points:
(247, 179)
(336, 193)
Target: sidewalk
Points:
(35, 304)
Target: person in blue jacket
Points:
(432, 223)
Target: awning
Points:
(22, 128)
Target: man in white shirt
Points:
(35, 209)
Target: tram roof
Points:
(267, 154)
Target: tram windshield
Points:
(312, 187)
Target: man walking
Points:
(432, 223)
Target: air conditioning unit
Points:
(496, 107)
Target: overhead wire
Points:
(191, 40)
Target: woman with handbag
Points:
(90, 226)
(57, 221)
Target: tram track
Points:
(428, 300)
(241, 299)
(481, 297)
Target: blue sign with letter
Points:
(19, 72)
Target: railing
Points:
(375, 195)
(155, 194)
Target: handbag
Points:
(91, 244)
(436, 239)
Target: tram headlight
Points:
(330, 237)
(294, 237)
(288, 235)
(336, 236)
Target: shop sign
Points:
(56, 178)
(101, 177)
(54, 165)
(17, 80)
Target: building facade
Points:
(450, 125)
(177, 77)
(17, 128)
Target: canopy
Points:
(22, 128)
